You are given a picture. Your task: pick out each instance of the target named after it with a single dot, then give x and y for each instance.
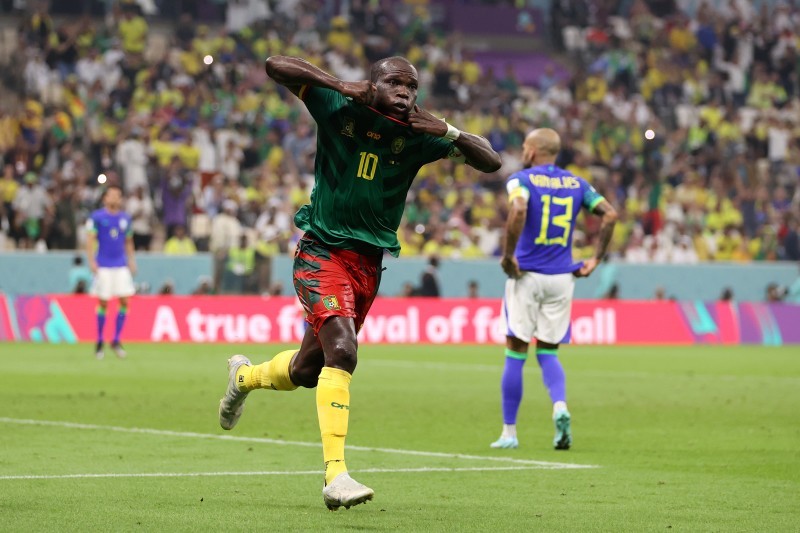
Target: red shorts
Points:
(334, 282)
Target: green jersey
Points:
(364, 167)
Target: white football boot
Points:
(346, 492)
(232, 404)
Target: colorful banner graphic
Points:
(67, 318)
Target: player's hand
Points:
(423, 122)
(132, 268)
(511, 267)
(362, 92)
(588, 267)
(93, 266)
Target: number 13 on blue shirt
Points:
(552, 194)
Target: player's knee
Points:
(342, 355)
(541, 345)
(516, 345)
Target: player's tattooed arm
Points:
(609, 220)
(518, 212)
(477, 150)
(293, 73)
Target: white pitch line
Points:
(264, 440)
(276, 473)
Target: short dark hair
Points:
(380, 65)
(108, 188)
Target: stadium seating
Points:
(714, 179)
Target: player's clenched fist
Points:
(588, 267)
(362, 92)
(510, 266)
(423, 122)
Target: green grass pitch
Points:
(683, 439)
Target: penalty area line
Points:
(281, 442)
(421, 470)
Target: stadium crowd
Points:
(687, 121)
(716, 177)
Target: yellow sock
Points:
(333, 411)
(273, 374)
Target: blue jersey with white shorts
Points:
(111, 229)
(555, 198)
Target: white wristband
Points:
(452, 132)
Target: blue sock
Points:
(511, 385)
(552, 374)
(101, 323)
(123, 312)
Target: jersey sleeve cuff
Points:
(303, 92)
(597, 201)
(519, 192)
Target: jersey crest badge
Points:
(349, 128)
(398, 144)
(331, 303)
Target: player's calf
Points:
(305, 373)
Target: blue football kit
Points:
(555, 198)
(111, 230)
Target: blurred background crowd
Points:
(684, 114)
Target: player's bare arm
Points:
(609, 220)
(476, 149)
(90, 251)
(293, 73)
(518, 212)
(129, 249)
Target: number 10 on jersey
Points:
(367, 166)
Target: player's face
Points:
(113, 199)
(528, 154)
(396, 90)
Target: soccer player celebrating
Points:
(537, 257)
(372, 139)
(112, 263)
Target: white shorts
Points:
(538, 306)
(113, 282)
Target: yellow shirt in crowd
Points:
(8, 190)
(133, 33)
(190, 156)
(581, 172)
(176, 246)
(164, 151)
